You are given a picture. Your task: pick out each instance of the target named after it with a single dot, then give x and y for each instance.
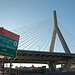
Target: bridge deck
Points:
(24, 56)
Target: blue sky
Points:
(17, 13)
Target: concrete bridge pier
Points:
(52, 66)
(67, 65)
(63, 42)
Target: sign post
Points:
(3, 66)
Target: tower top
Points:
(55, 11)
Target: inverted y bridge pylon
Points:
(56, 30)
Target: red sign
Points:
(9, 34)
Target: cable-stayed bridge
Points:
(38, 45)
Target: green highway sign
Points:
(8, 46)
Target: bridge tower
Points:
(57, 31)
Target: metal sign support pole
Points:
(3, 66)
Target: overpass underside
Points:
(25, 56)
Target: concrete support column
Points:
(67, 65)
(66, 49)
(52, 66)
(53, 40)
